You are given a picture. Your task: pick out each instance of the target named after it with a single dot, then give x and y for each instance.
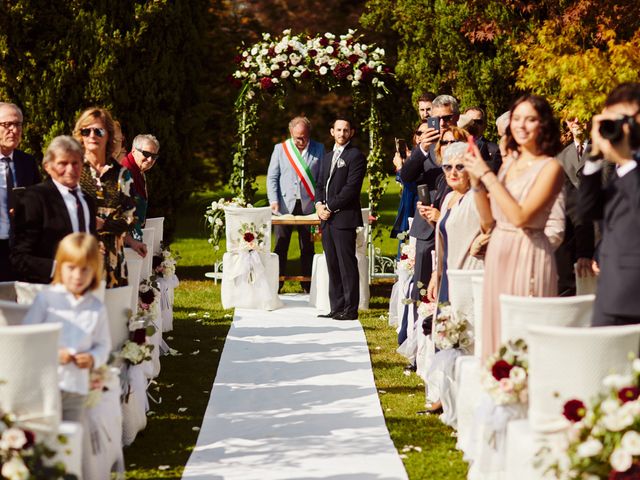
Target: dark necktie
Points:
(580, 149)
(81, 222)
(9, 180)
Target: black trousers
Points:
(283, 238)
(601, 319)
(423, 266)
(340, 253)
(6, 273)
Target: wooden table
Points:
(294, 221)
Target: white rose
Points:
(15, 469)
(254, 51)
(219, 222)
(617, 421)
(13, 438)
(631, 442)
(285, 74)
(617, 381)
(589, 448)
(610, 405)
(323, 70)
(518, 374)
(621, 460)
(329, 50)
(636, 365)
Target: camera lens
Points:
(612, 129)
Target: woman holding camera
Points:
(518, 201)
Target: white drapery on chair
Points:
(12, 313)
(118, 303)
(586, 355)
(157, 223)
(134, 269)
(249, 278)
(319, 289)
(148, 238)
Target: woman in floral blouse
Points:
(110, 186)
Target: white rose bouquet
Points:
(214, 218)
(451, 330)
(134, 353)
(505, 376)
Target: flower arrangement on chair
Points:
(164, 265)
(505, 376)
(407, 258)
(22, 457)
(214, 218)
(252, 237)
(604, 435)
(451, 330)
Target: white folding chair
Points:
(157, 223)
(118, 303)
(236, 289)
(586, 356)
(148, 236)
(12, 313)
(460, 291)
(517, 313)
(29, 369)
(26, 292)
(134, 267)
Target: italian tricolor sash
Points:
(300, 166)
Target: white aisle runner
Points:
(294, 398)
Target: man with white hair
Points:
(49, 211)
(17, 170)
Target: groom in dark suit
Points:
(338, 206)
(17, 170)
(616, 139)
(49, 211)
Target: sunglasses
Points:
(448, 168)
(447, 118)
(146, 154)
(420, 132)
(447, 142)
(98, 132)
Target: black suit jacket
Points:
(618, 205)
(423, 170)
(342, 196)
(41, 220)
(490, 153)
(26, 169)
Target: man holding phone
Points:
(421, 167)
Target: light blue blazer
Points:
(283, 181)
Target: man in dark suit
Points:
(421, 167)
(477, 125)
(578, 244)
(615, 136)
(342, 172)
(17, 170)
(49, 211)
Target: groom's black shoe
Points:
(346, 316)
(329, 315)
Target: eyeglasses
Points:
(448, 168)
(447, 142)
(146, 154)
(8, 125)
(447, 118)
(98, 132)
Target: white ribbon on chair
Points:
(247, 269)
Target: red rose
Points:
(404, 256)
(147, 297)
(237, 59)
(139, 336)
(367, 72)
(342, 71)
(31, 439)
(574, 410)
(312, 53)
(271, 52)
(628, 394)
(267, 84)
(324, 41)
(632, 474)
(305, 74)
(353, 58)
(501, 369)
(249, 237)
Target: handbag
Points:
(479, 245)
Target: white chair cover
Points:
(134, 266)
(103, 438)
(460, 291)
(118, 303)
(134, 408)
(362, 234)
(249, 278)
(8, 291)
(157, 223)
(29, 368)
(167, 293)
(148, 238)
(585, 285)
(517, 313)
(12, 313)
(26, 292)
(397, 295)
(99, 292)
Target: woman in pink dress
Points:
(518, 201)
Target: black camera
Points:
(612, 130)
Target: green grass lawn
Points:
(200, 328)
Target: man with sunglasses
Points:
(421, 167)
(142, 157)
(17, 170)
(489, 150)
(615, 136)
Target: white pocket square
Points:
(340, 163)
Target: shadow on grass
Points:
(194, 272)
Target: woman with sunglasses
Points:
(519, 202)
(110, 185)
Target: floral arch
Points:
(271, 65)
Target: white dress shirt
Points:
(85, 329)
(591, 167)
(5, 224)
(72, 208)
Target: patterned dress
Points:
(112, 193)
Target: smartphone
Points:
(433, 122)
(401, 147)
(423, 194)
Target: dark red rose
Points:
(628, 394)
(404, 256)
(156, 261)
(236, 82)
(342, 71)
(147, 297)
(632, 474)
(353, 58)
(237, 59)
(312, 53)
(367, 73)
(305, 74)
(574, 410)
(276, 73)
(271, 52)
(249, 237)
(31, 439)
(290, 49)
(139, 336)
(324, 41)
(501, 369)
(267, 84)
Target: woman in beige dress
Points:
(519, 259)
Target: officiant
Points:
(291, 180)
